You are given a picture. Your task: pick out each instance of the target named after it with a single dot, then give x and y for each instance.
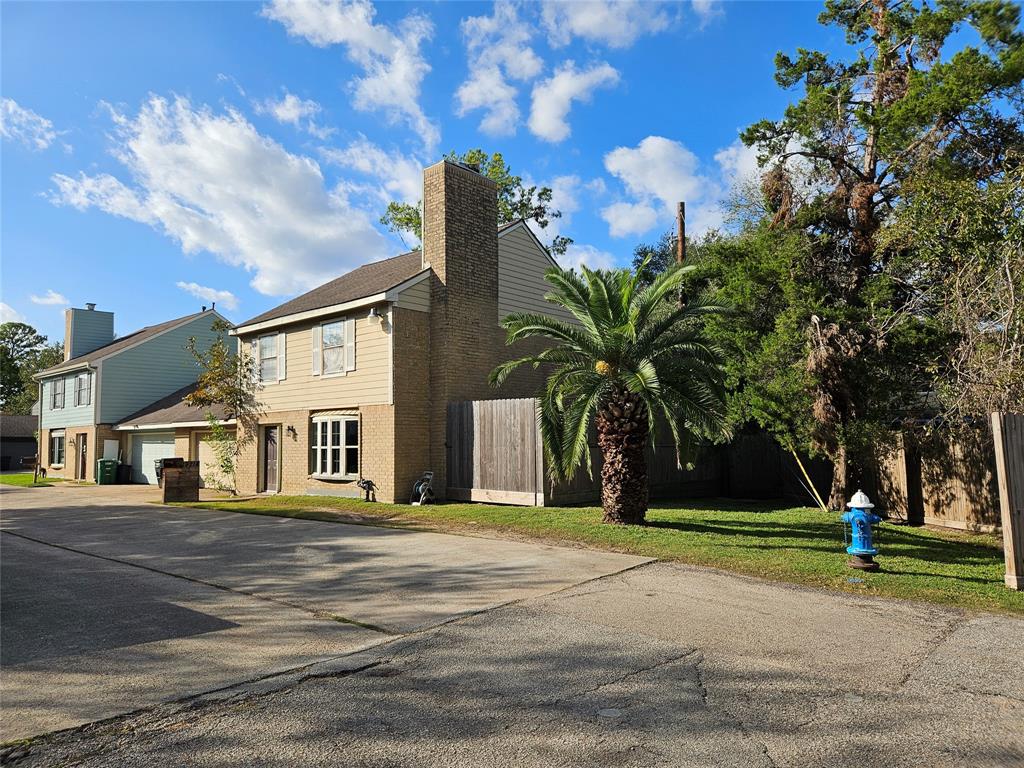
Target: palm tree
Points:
(631, 360)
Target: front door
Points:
(83, 455)
(270, 457)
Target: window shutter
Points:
(350, 344)
(254, 350)
(282, 341)
(316, 349)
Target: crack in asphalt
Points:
(915, 663)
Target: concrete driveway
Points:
(112, 604)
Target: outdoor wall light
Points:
(291, 431)
(374, 316)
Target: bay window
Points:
(335, 444)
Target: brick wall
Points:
(412, 356)
(460, 242)
(376, 445)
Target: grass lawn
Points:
(798, 545)
(24, 479)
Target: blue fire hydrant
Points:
(860, 518)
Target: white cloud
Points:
(706, 10)
(657, 174)
(50, 297)
(391, 59)
(292, 110)
(9, 314)
(395, 175)
(213, 183)
(227, 299)
(18, 123)
(629, 218)
(615, 23)
(565, 193)
(498, 49)
(553, 97)
(576, 256)
(738, 163)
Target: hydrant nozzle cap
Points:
(860, 500)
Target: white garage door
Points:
(146, 449)
(210, 475)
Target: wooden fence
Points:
(941, 479)
(495, 455)
(1008, 430)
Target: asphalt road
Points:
(656, 665)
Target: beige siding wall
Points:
(416, 297)
(368, 384)
(521, 283)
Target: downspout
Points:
(39, 433)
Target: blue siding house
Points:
(104, 379)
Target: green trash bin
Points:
(106, 471)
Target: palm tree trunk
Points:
(622, 430)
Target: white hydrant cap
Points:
(860, 500)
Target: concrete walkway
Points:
(111, 604)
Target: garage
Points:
(209, 474)
(146, 449)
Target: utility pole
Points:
(681, 233)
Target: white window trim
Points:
(281, 348)
(64, 448)
(316, 448)
(348, 347)
(86, 390)
(53, 394)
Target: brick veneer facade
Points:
(94, 436)
(439, 356)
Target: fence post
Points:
(1008, 433)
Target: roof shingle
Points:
(376, 277)
(172, 410)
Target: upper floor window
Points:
(334, 347)
(83, 389)
(269, 352)
(57, 394)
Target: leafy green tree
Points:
(38, 360)
(865, 128)
(515, 200)
(19, 342)
(630, 361)
(228, 381)
(966, 244)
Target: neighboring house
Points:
(17, 439)
(102, 381)
(172, 427)
(358, 373)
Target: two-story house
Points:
(104, 380)
(358, 373)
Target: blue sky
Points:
(157, 156)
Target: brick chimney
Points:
(460, 245)
(86, 330)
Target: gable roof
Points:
(172, 409)
(367, 280)
(14, 425)
(121, 344)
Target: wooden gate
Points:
(494, 452)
